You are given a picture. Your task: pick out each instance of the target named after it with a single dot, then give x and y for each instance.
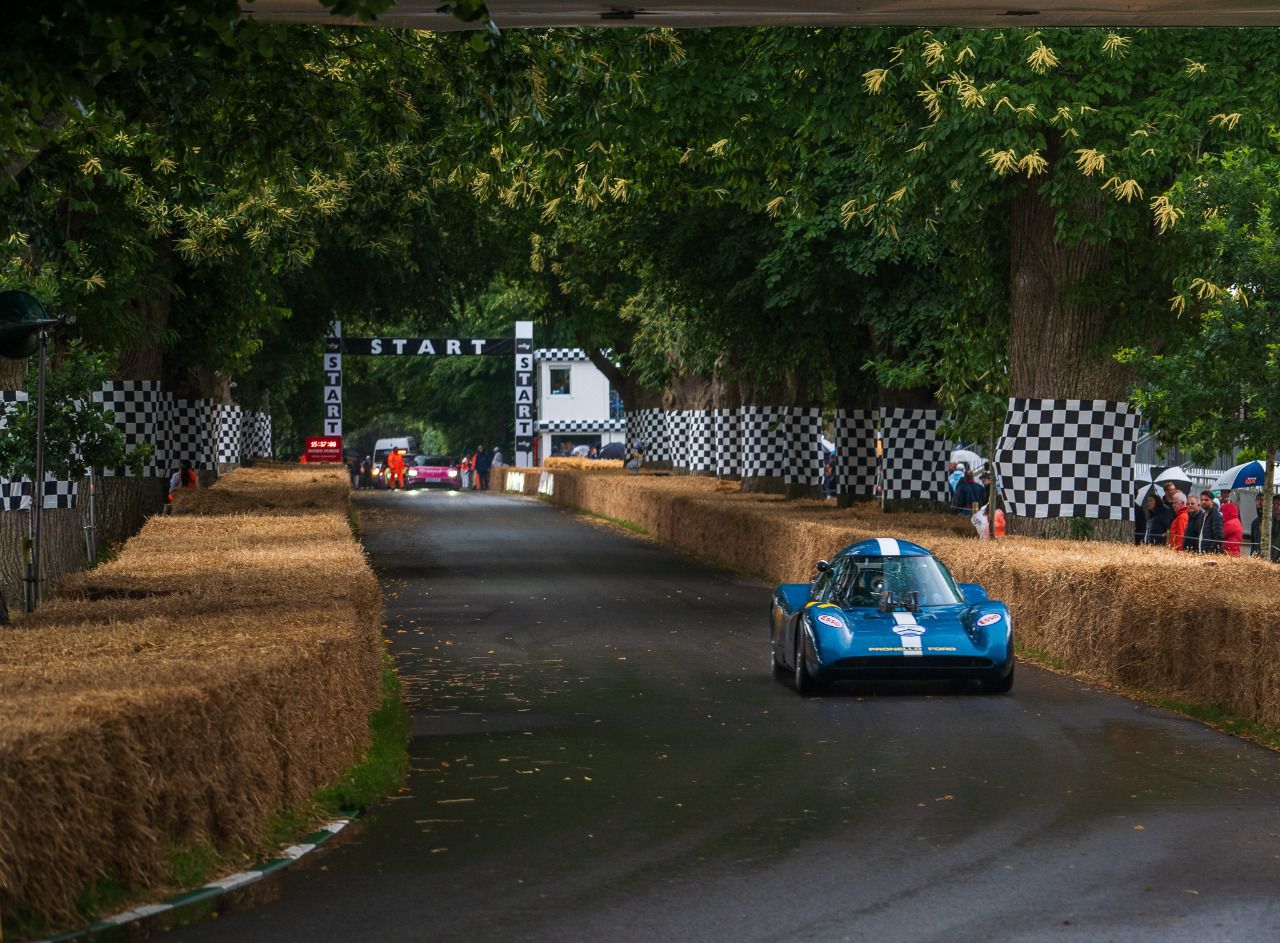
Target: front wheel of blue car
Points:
(1000, 685)
(806, 684)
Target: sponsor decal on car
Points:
(991, 618)
(832, 621)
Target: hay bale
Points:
(222, 668)
(581, 463)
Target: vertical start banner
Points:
(524, 394)
(333, 381)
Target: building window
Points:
(559, 381)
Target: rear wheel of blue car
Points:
(805, 682)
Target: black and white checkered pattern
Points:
(581, 425)
(915, 455)
(560, 353)
(188, 436)
(804, 446)
(678, 437)
(255, 435)
(15, 494)
(782, 442)
(855, 442)
(648, 427)
(701, 435)
(226, 431)
(1068, 458)
(764, 441)
(139, 409)
(726, 430)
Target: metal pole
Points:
(90, 529)
(37, 487)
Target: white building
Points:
(576, 405)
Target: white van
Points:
(383, 447)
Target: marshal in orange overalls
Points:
(395, 469)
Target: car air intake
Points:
(907, 663)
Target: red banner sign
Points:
(324, 449)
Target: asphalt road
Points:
(600, 753)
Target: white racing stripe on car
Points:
(909, 630)
(889, 547)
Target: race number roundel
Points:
(991, 618)
(831, 621)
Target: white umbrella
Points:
(1177, 475)
(1141, 490)
(965, 457)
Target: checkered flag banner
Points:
(701, 441)
(855, 442)
(764, 441)
(255, 435)
(225, 423)
(1068, 458)
(915, 455)
(726, 432)
(15, 494)
(188, 437)
(140, 410)
(804, 445)
(678, 437)
(648, 428)
(782, 442)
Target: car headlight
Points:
(413, 473)
(453, 473)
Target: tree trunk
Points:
(1058, 326)
(854, 392)
(1268, 491)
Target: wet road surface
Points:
(600, 753)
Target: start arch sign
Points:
(521, 346)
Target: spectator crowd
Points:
(1205, 523)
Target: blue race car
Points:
(886, 609)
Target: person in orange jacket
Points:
(395, 470)
(1179, 525)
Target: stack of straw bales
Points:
(222, 668)
(1201, 629)
(581, 463)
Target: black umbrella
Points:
(613, 450)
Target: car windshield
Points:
(864, 579)
(434, 461)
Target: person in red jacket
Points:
(1179, 525)
(395, 470)
(1232, 529)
